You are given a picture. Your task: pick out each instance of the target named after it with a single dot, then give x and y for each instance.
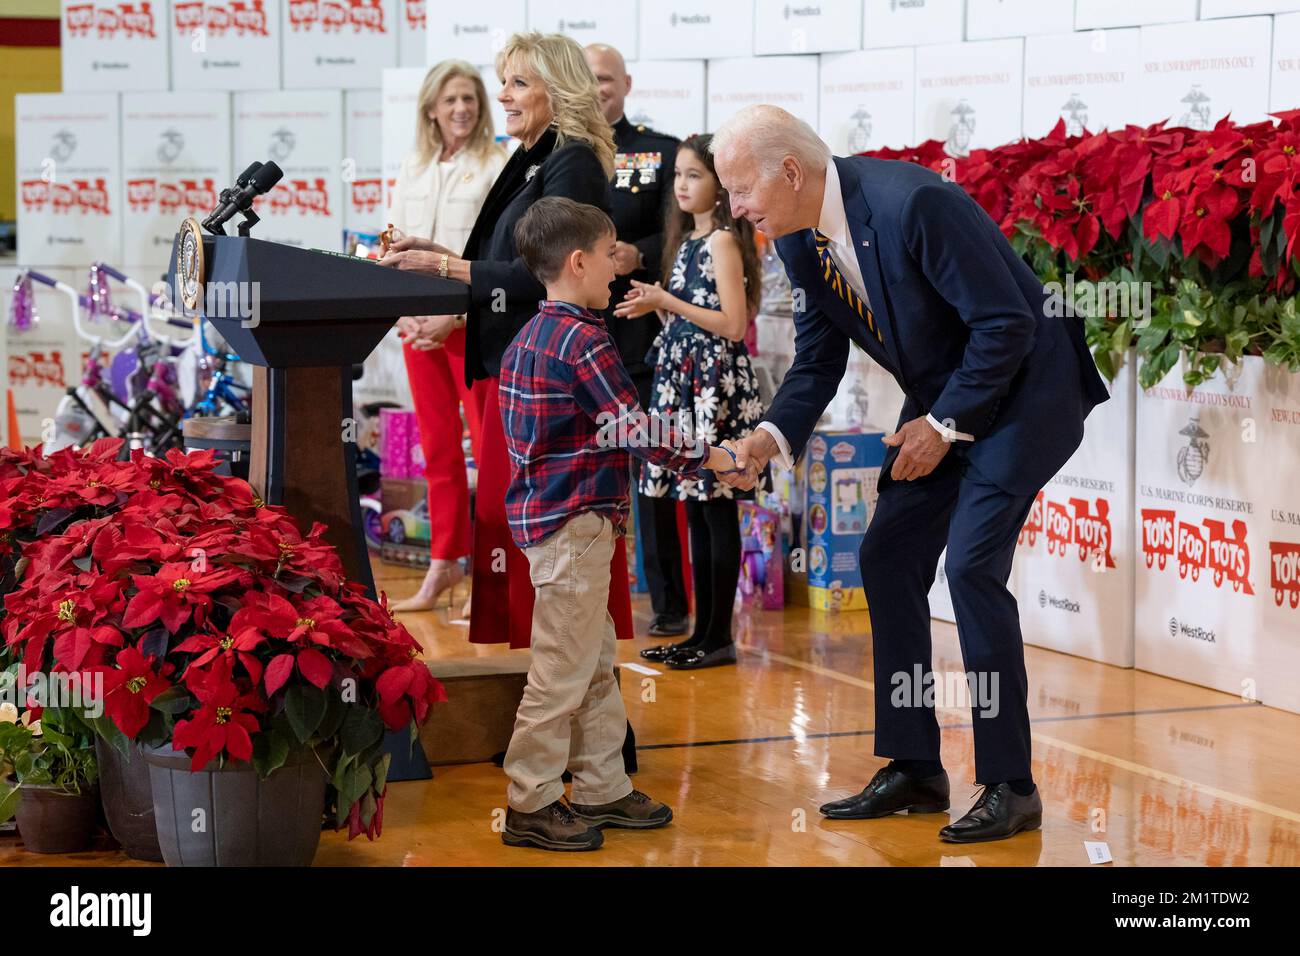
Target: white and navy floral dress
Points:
(703, 383)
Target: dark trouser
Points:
(715, 563)
(979, 522)
(656, 522)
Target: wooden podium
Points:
(303, 318)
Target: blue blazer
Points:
(969, 332)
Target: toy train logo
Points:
(241, 18)
(333, 17)
(300, 196)
(84, 196)
(1078, 524)
(367, 194)
(1197, 547)
(1284, 572)
(131, 20)
(35, 368)
(148, 194)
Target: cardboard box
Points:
(840, 499)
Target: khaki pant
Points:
(571, 716)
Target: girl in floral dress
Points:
(704, 384)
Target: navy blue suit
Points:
(972, 338)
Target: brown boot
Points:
(553, 827)
(636, 811)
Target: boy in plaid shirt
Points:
(571, 416)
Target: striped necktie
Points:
(835, 279)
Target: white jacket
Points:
(441, 201)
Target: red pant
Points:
(502, 607)
(438, 391)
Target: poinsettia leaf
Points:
(155, 643)
(381, 772)
(270, 750)
(315, 666)
(277, 672)
(333, 719)
(304, 706)
(174, 700)
(108, 732)
(142, 610)
(362, 727)
(83, 563)
(295, 583)
(51, 520)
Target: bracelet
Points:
(730, 471)
(442, 266)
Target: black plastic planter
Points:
(229, 816)
(127, 795)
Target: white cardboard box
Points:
(1090, 79)
(226, 45)
(69, 174)
(1194, 74)
(175, 161)
(867, 100)
(969, 94)
(112, 46)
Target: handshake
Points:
(751, 455)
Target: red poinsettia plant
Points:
(212, 623)
(1202, 223)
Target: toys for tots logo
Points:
(1197, 547)
(88, 197)
(362, 15)
(241, 18)
(367, 194)
(131, 20)
(300, 196)
(1079, 524)
(1284, 572)
(149, 194)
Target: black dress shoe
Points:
(999, 813)
(888, 792)
(667, 625)
(696, 657)
(660, 653)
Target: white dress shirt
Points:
(834, 225)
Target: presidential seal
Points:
(189, 263)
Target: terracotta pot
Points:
(127, 795)
(52, 821)
(229, 816)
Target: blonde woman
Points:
(566, 149)
(439, 191)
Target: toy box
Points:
(400, 453)
(839, 500)
(403, 522)
(762, 582)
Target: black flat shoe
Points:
(660, 653)
(695, 658)
(890, 791)
(999, 813)
(665, 625)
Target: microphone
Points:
(254, 181)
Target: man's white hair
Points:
(768, 134)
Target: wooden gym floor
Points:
(1165, 773)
